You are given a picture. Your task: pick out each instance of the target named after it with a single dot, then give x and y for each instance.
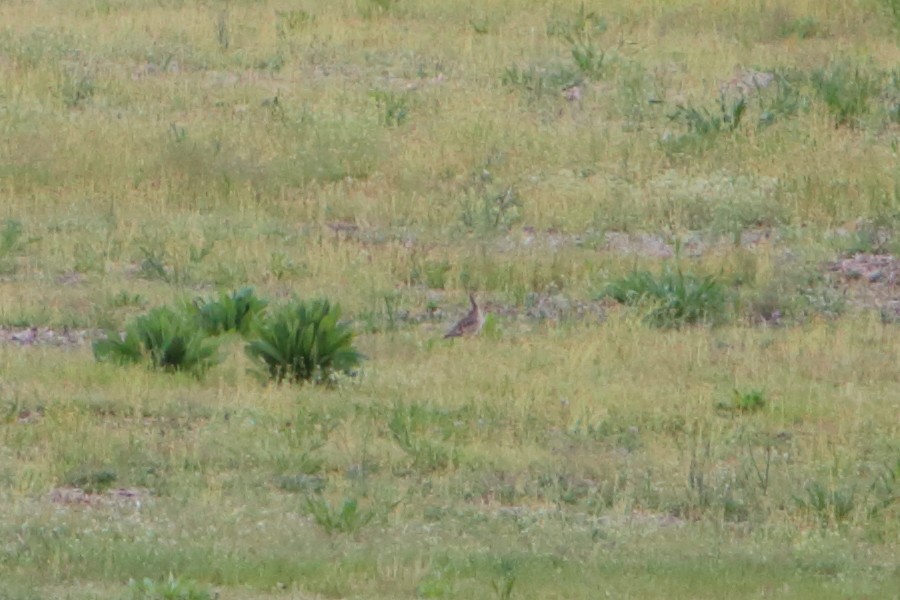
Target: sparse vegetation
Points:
(172, 588)
(610, 186)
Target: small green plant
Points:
(588, 58)
(369, 9)
(391, 312)
(305, 341)
(491, 328)
(579, 31)
(427, 455)
(172, 588)
(479, 26)
(542, 81)
(291, 21)
(891, 8)
(169, 340)
(153, 266)
(11, 237)
(222, 35)
(702, 122)
(783, 101)
(885, 489)
(583, 24)
(236, 311)
(431, 273)
(759, 470)
(675, 298)
(829, 505)
(125, 298)
(750, 401)
(301, 482)
(76, 87)
(282, 266)
(348, 518)
(394, 107)
(496, 208)
(11, 245)
(891, 98)
(802, 27)
(91, 480)
(846, 91)
(503, 586)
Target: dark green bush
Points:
(169, 340)
(230, 312)
(305, 342)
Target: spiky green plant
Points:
(167, 339)
(305, 341)
(846, 90)
(348, 518)
(676, 298)
(230, 312)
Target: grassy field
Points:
(683, 219)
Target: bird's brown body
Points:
(471, 324)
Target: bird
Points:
(470, 324)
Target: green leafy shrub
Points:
(305, 342)
(169, 340)
(236, 311)
(676, 298)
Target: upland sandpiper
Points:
(470, 324)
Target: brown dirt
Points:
(44, 336)
(871, 281)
